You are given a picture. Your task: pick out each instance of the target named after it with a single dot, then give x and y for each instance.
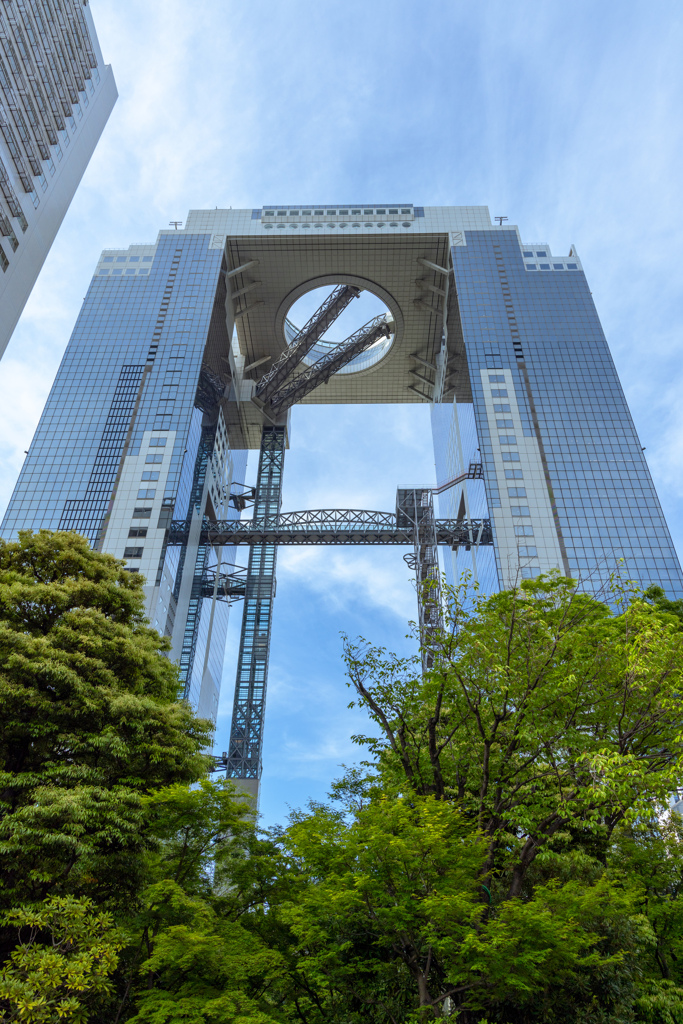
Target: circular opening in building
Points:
(359, 312)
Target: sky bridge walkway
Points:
(332, 526)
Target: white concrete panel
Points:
(508, 526)
(122, 516)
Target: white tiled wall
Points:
(126, 500)
(541, 520)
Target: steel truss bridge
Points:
(333, 526)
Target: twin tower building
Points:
(185, 356)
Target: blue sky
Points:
(564, 117)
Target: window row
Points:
(127, 259)
(555, 266)
(379, 211)
(368, 224)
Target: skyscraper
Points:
(186, 355)
(56, 95)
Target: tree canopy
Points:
(476, 864)
(90, 721)
(502, 853)
(126, 872)
(543, 712)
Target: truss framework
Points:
(320, 372)
(413, 524)
(191, 630)
(224, 586)
(323, 318)
(246, 731)
(334, 526)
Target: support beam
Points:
(258, 404)
(421, 377)
(224, 586)
(246, 731)
(474, 472)
(421, 304)
(240, 270)
(248, 309)
(257, 362)
(415, 507)
(247, 288)
(439, 385)
(192, 565)
(414, 355)
(431, 287)
(433, 266)
(329, 526)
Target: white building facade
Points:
(56, 95)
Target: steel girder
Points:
(295, 390)
(230, 586)
(191, 630)
(323, 318)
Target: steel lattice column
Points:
(246, 732)
(416, 506)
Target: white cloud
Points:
(353, 576)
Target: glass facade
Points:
(567, 483)
(133, 436)
(456, 447)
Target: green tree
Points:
(503, 853)
(656, 595)
(58, 978)
(91, 724)
(195, 953)
(391, 922)
(649, 856)
(472, 863)
(544, 712)
(106, 814)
